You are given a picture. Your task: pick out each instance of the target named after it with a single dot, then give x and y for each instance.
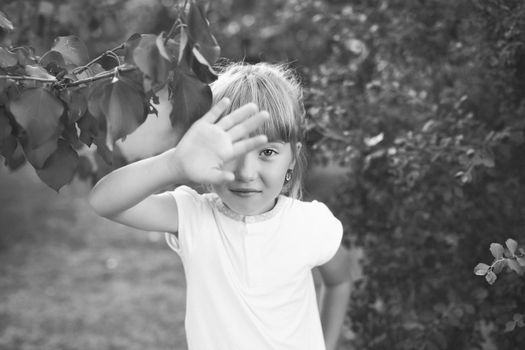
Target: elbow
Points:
(96, 204)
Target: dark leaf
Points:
(7, 59)
(189, 97)
(72, 49)
(5, 125)
(202, 68)
(76, 104)
(12, 151)
(37, 156)
(8, 146)
(129, 47)
(200, 34)
(148, 58)
(52, 57)
(70, 134)
(38, 112)
(60, 168)
(124, 108)
(5, 23)
(88, 128)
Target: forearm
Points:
(127, 186)
(333, 311)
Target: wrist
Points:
(173, 166)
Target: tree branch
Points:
(26, 77)
(108, 52)
(107, 74)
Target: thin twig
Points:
(104, 75)
(107, 74)
(26, 77)
(108, 52)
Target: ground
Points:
(72, 280)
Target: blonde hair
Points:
(273, 88)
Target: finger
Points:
(237, 116)
(244, 129)
(216, 111)
(248, 145)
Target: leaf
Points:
(189, 97)
(72, 49)
(202, 68)
(481, 269)
(52, 56)
(498, 266)
(25, 55)
(497, 250)
(512, 245)
(509, 326)
(200, 34)
(5, 23)
(39, 155)
(513, 265)
(38, 72)
(60, 168)
(5, 125)
(491, 277)
(76, 104)
(7, 59)
(148, 58)
(124, 108)
(38, 112)
(521, 260)
(90, 72)
(159, 41)
(7, 149)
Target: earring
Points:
(288, 176)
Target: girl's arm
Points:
(335, 296)
(126, 195)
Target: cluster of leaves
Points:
(511, 257)
(55, 105)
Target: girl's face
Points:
(259, 178)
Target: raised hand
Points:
(209, 144)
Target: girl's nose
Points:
(246, 168)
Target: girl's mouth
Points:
(244, 192)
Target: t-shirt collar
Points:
(224, 209)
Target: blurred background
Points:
(416, 118)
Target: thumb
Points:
(221, 176)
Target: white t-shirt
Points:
(249, 280)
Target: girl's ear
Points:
(298, 147)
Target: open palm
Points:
(208, 144)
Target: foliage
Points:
(423, 103)
(53, 105)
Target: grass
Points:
(72, 280)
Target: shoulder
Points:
(188, 197)
(310, 209)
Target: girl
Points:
(249, 246)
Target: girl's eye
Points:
(268, 152)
